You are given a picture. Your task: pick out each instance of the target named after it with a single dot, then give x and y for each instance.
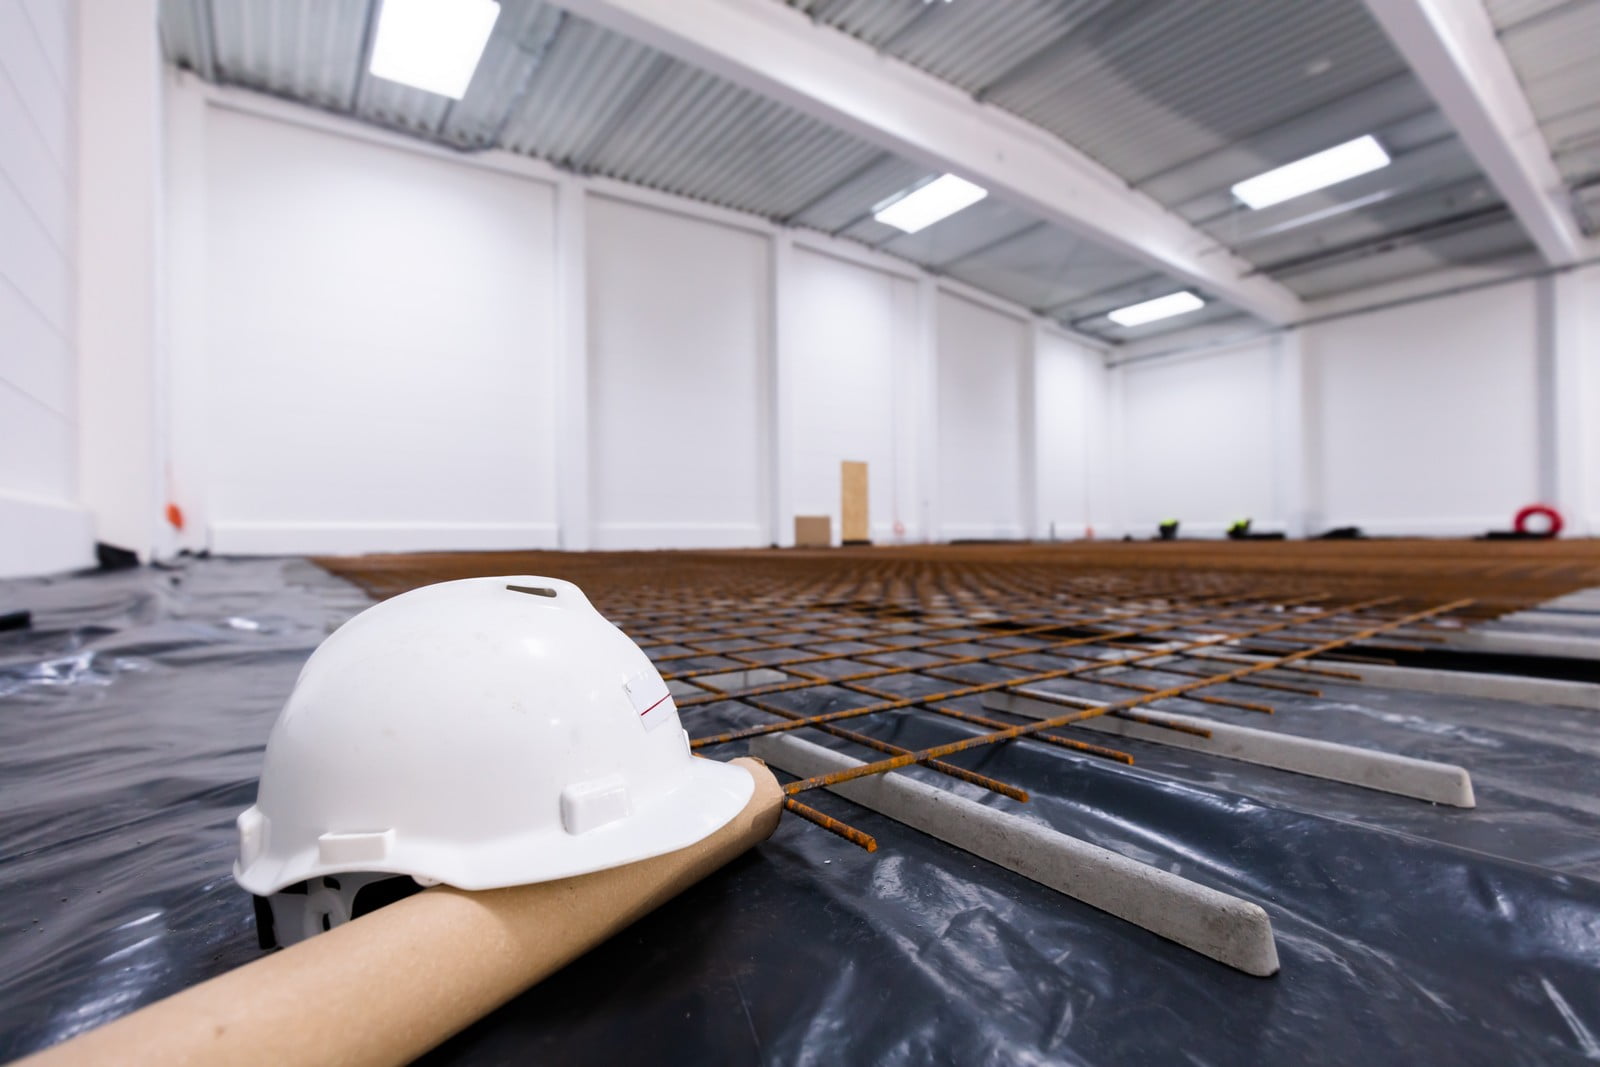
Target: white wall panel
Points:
(37, 65)
(41, 527)
(980, 420)
(33, 261)
(679, 336)
(379, 343)
(1426, 416)
(1073, 424)
(36, 451)
(36, 357)
(849, 328)
(38, 172)
(1198, 440)
(52, 24)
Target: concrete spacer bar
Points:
(1575, 623)
(1441, 783)
(1473, 684)
(1517, 643)
(1225, 928)
(1584, 600)
(1517, 687)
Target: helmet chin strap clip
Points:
(316, 905)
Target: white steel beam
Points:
(1452, 48)
(775, 50)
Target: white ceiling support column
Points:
(1113, 520)
(906, 413)
(925, 391)
(1292, 441)
(572, 367)
(1452, 48)
(1028, 430)
(1570, 382)
(780, 393)
(120, 370)
(777, 51)
(188, 394)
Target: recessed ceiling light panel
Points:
(1328, 167)
(432, 45)
(1162, 307)
(927, 204)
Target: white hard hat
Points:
(481, 733)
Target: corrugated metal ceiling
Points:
(1554, 46)
(1181, 99)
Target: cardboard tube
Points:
(390, 985)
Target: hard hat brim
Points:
(709, 795)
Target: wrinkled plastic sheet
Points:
(132, 720)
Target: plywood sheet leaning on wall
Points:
(853, 526)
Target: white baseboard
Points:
(1455, 526)
(981, 531)
(1062, 530)
(1077, 530)
(650, 535)
(43, 536)
(883, 533)
(361, 538)
(1218, 528)
(880, 532)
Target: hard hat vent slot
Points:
(535, 590)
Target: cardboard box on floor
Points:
(813, 531)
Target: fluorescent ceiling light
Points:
(1162, 307)
(1306, 175)
(432, 44)
(927, 204)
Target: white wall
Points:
(1426, 418)
(718, 368)
(1441, 416)
(679, 344)
(41, 526)
(379, 342)
(849, 339)
(983, 361)
(1074, 424)
(529, 358)
(1199, 441)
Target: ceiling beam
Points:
(1451, 47)
(775, 50)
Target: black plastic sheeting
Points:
(132, 719)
